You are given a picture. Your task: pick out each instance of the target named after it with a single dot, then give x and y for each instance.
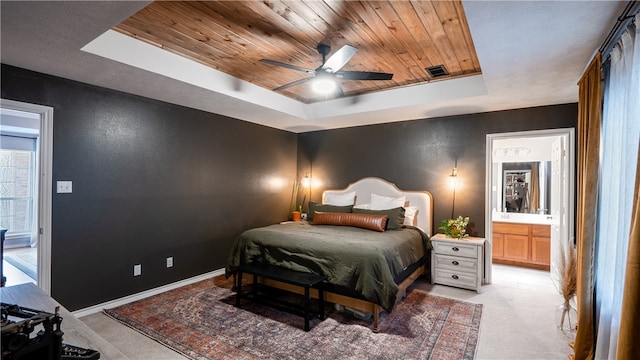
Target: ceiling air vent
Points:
(437, 71)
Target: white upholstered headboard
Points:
(373, 185)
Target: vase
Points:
(295, 216)
(567, 319)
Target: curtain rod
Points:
(621, 24)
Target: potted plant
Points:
(455, 228)
(297, 214)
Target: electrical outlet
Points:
(170, 261)
(137, 270)
(64, 187)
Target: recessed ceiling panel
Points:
(399, 37)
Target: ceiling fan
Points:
(329, 70)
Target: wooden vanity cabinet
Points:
(527, 245)
(541, 244)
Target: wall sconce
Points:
(453, 183)
(453, 179)
(306, 181)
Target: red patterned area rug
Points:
(201, 322)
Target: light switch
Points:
(137, 270)
(64, 187)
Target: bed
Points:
(368, 270)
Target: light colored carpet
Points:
(517, 320)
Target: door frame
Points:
(45, 185)
(569, 195)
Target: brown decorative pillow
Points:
(365, 221)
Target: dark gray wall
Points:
(150, 180)
(419, 155)
(153, 180)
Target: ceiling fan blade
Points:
(293, 83)
(288, 66)
(363, 75)
(340, 58)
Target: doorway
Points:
(27, 148)
(529, 199)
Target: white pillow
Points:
(340, 199)
(410, 215)
(385, 203)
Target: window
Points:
(16, 191)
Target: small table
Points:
(457, 262)
(75, 331)
(305, 280)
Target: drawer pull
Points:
(455, 263)
(455, 249)
(455, 276)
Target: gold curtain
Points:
(628, 344)
(589, 123)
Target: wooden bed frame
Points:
(354, 303)
(364, 188)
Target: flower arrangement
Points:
(455, 228)
(569, 269)
(566, 314)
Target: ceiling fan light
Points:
(324, 85)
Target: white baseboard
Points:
(145, 294)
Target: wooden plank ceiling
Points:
(399, 37)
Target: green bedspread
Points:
(359, 259)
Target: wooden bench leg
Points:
(238, 288)
(321, 301)
(376, 311)
(306, 308)
(254, 286)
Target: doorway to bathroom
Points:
(530, 199)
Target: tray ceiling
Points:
(399, 37)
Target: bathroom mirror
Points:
(526, 187)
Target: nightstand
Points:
(456, 262)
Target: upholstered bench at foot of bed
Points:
(302, 279)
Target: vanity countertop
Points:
(539, 219)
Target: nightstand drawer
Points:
(455, 278)
(456, 263)
(456, 249)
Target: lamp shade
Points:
(453, 179)
(306, 181)
(324, 85)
